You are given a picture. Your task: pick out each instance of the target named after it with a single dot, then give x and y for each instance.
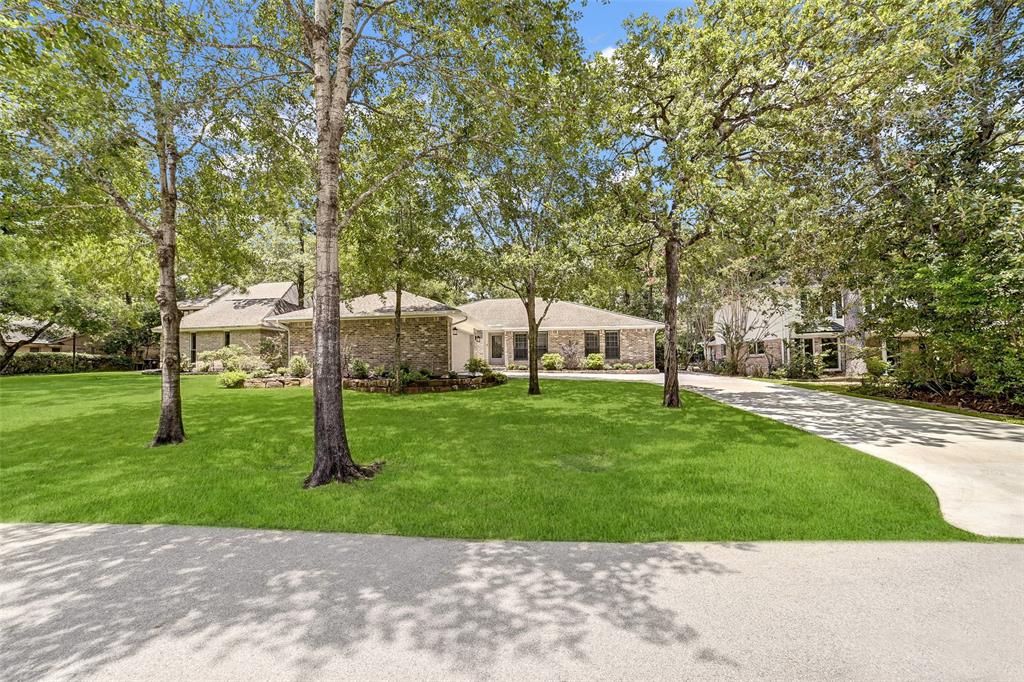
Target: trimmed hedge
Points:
(61, 363)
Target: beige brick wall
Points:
(214, 340)
(425, 341)
(635, 345)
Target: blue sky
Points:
(601, 23)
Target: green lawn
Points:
(585, 461)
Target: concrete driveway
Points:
(975, 466)
(175, 603)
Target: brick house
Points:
(501, 332)
(235, 316)
(441, 338)
(368, 331)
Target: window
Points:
(497, 346)
(33, 349)
(227, 338)
(192, 348)
(805, 346)
(591, 343)
(755, 348)
(542, 343)
(520, 346)
(830, 353)
(54, 349)
(611, 345)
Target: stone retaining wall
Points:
(428, 386)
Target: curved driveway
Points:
(975, 466)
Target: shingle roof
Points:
(510, 313)
(227, 292)
(377, 305)
(261, 290)
(22, 329)
(235, 313)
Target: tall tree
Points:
(128, 97)
(925, 191)
(714, 94)
(368, 62)
(534, 190)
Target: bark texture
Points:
(532, 328)
(670, 396)
(332, 459)
(397, 367)
(170, 429)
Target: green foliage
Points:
(359, 369)
(552, 361)
(271, 351)
(61, 363)
(594, 361)
(876, 366)
(234, 358)
(498, 377)
(232, 379)
(284, 371)
(478, 366)
(801, 365)
(298, 366)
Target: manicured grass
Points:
(846, 389)
(584, 461)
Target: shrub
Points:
(571, 353)
(498, 377)
(283, 371)
(801, 365)
(235, 359)
(626, 365)
(184, 365)
(453, 374)
(513, 367)
(552, 361)
(360, 369)
(261, 373)
(644, 365)
(380, 371)
(271, 351)
(876, 366)
(595, 361)
(232, 379)
(477, 366)
(298, 366)
(61, 363)
(202, 366)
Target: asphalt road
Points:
(975, 466)
(177, 603)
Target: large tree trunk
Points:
(533, 360)
(300, 276)
(332, 459)
(671, 387)
(397, 368)
(170, 428)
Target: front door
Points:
(497, 354)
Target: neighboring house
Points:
(501, 332)
(53, 340)
(773, 330)
(235, 316)
(441, 338)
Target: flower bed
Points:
(441, 385)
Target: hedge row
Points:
(61, 363)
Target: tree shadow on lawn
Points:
(78, 598)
